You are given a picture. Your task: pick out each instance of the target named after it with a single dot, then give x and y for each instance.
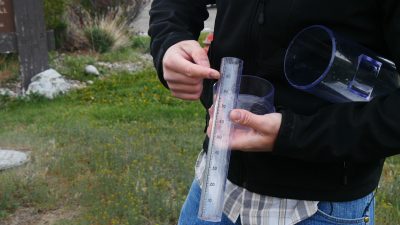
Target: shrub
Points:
(116, 25)
(54, 17)
(130, 8)
(100, 25)
(72, 20)
(141, 43)
(75, 33)
(100, 39)
(100, 33)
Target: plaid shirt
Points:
(256, 209)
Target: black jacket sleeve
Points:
(172, 21)
(352, 131)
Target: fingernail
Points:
(235, 116)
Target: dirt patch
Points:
(31, 216)
(5, 75)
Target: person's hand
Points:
(258, 132)
(185, 65)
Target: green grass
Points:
(141, 43)
(122, 149)
(72, 66)
(388, 195)
(121, 55)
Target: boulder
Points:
(50, 84)
(11, 158)
(7, 92)
(90, 69)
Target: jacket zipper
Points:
(249, 60)
(258, 17)
(255, 12)
(345, 173)
(261, 16)
(252, 36)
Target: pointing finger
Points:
(194, 70)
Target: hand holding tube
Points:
(185, 65)
(260, 137)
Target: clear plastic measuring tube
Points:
(218, 154)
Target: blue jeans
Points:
(357, 212)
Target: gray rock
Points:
(122, 66)
(11, 158)
(90, 69)
(50, 84)
(7, 92)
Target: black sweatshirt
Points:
(324, 151)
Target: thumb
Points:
(246, 118)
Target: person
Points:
(312, 162)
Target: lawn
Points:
(121, 152)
